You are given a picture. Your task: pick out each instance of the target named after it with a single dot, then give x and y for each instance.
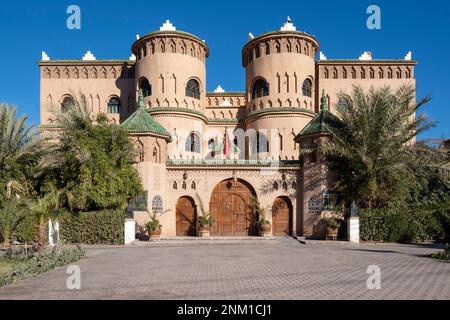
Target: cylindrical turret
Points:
(171, 71)
(280, 86)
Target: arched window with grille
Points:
(260, 89)
(146, 87)
(193, 89)
(114, 106)
(307, 88)
(193, 143)
(67, 103)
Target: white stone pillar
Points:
(53, 232)
(130, 231)
(353, 229)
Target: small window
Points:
(193, 143)
(139, 203)
(260, 89)
(157, 204)
(261, 144)
(307, 88)
(343, 106)
(146, 88)
(114, 106)
(193, 89)
(67, 104)
(330, 200)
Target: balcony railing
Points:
(231, 163)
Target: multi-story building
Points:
(220, 148)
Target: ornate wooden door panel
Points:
(229, 209)
(282, 217)
(186, 217)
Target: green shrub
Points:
(27, 230)
(102, 227)
(400, 225)
(40, 262)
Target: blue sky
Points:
(109, 28)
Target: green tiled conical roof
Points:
(142, 122)
(322, 122)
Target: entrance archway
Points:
(186, 216)
(282, 217)
(229, 208)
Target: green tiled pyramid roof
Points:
(322, 122)
(142, 122)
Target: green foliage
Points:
(154, 223)
(40, 262)
(331, 223)
(259, 212)
(205, 220)
(12, 213)
(372, 144)
(27, 230)
(17, 147)
(444, 255)
(91, 163)
(102, 227)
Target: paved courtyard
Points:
(284, 270)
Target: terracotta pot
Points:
(154, 233)
(332, 232)
(203, 228)
(203, 231)
(265, 227)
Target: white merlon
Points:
(45, 57)
(366, 56)
(167, 26)
(226, 103)
(219, 89)
(322, 56)
(408, 56)
(133, 57)
(250, 36)
(89, 57)
(288, 26)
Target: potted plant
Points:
(205, 221)
(332, 225)
(262, 223)
(154, 226)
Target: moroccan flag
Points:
(226, 146)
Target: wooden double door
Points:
(229, 208)
(186, 216)
(282, 217)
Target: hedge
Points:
(400, 225)
(101, 227)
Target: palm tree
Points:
(17, 142)
(46, 208)
(375, 146)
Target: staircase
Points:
(209, 241)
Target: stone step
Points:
(192, 241)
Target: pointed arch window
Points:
(67, 104)
(146, 88)
(260, 89)
(114, 105)
(307, 88)
(193, 143)
(193, 89)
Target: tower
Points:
(280, 89)
(171, 72)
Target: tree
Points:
(90, 162)
(18, 147)
(374, 144)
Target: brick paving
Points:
(285, 270)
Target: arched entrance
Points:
(229, 208)
(186, 217)
(282, 217)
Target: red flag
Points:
(226, 146)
